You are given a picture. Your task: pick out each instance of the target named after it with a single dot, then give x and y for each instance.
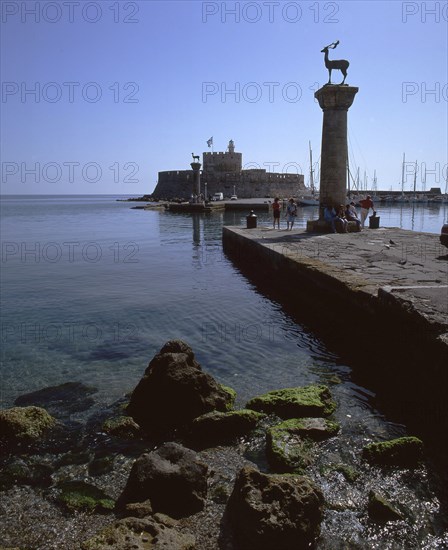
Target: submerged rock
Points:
(314, 400)
(19, 472)
(405, 452)
(25, 424)
(381, 510)
(174, 390)
(60, 400)
(123, 427)
(155, 533)
(217, 428)
(173, 478)
(289, 445)
(275, 512)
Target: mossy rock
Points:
(381, 510)
(123, 427)
(313, 428)
(25, 424)
(350, 473)
(305, 401)
(405, 452)
(20, 473)
(78, 495)
(216, 428)
(232, 394)
(288, 453)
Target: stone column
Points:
(196, 166)
(335, 101)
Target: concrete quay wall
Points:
(379, 298)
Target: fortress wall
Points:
(247, 184)
(174, 183)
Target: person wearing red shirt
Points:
(366, 205)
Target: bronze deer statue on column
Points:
(340, 64)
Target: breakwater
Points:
(378, 297)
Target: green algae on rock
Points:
(289, 445)
(78, 495)
(304, 401)
(25, 424)
(217, 428)
(349, 472)
(406, 452)
(232, 395)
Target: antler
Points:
(333, 45)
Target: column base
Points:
(321, 226)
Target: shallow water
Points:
(91, 290)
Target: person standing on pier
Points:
(366, 205)
(291, 213)
(276, 212)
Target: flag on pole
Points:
(210, 142)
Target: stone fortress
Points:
(222, 173)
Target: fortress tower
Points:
(229, 161)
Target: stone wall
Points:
(222, 162)
(246, 184)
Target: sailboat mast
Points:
(348, 177)
(415, 178)
(402, 175)
(311, 170)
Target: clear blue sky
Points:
(162, 74)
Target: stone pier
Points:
(335, 101)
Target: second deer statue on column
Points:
(340, 64)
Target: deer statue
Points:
(340, 64)
(195, 157)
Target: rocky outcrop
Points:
(404, 452)
(218, 428)
(154, 533)
(289, 445)
(273, 511)
(24, 424)
(314, 400)
(172, 478)
(174, 390)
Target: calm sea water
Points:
(91, 289)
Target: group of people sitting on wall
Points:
(339, 217)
